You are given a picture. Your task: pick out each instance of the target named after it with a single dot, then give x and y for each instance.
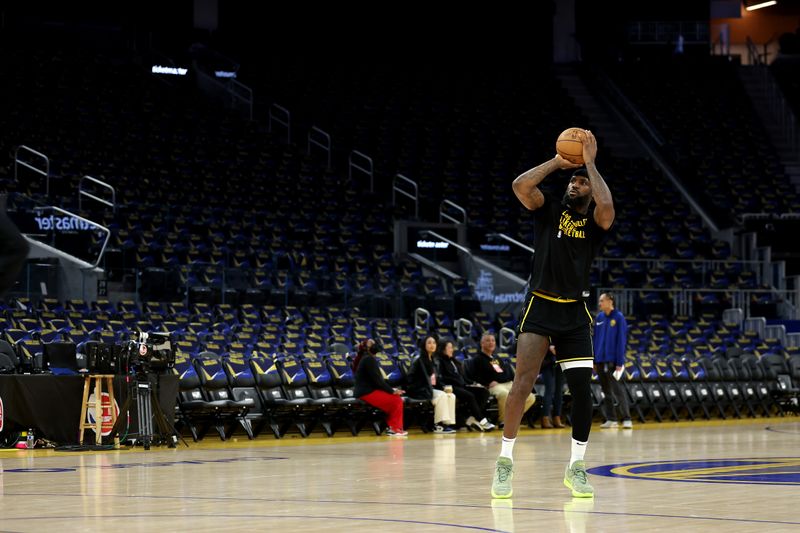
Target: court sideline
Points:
(691, 476)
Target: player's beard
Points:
(576, 203)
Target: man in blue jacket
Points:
(610, 341)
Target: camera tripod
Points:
(148, 410)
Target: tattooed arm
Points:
(604, 204)
(526, 186)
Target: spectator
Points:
(371, 387)
(492, 373)
(450, 372)
(610, 340)
(423, 385)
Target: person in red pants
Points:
(373, 389)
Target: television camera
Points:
(148, 352)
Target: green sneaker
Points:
(575, 479)
(503, 474)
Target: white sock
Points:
(508, 447)
(578, 451)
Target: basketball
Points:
(569, 145)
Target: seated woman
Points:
(373, 389)
(451, 372)
(423, 385)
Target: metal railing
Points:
(513, 241)
(422, 318)
(506, 338)
(463, 330)
(319, 138)
(412, 194)
(762, 269)
(495, 287)
(94, 225)
(83, 192)
(779, 109)
(235, 95)
(754, 57)
(280, 115)
(241, 94)
(45, 172)
(683, 301)
(362, 163)
(665, 31)
(444, 215)
(646, 133)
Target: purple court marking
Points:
(270, 516)
(407, 504)
(781, 471)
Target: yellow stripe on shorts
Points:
(526, 312)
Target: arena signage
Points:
(62, 223)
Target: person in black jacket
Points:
(450, 372)
(13, 249)
(424, 385)
(371, 387)
(494, 374)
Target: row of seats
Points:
(687, 387)
(166, 227)
(284, 393)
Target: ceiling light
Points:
(760, 5)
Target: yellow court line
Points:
(267, 440)
(720, 470)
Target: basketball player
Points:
(567, 236)
(13, 249)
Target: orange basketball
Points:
(569, 145)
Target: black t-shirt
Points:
(566, 243)
(486, 369)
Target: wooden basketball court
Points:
(713, 476)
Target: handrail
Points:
(625, 114)
(45, 172)
(478, 260)
(755, 57)
(81, 193)
(368, 170)
(781, 112)
(683, 303)
(630, 109)
(421, 318)
(99, 227)
(444, 215)
(243, 93)
(714, 43)
(506, 337)
(448, 241)
(768, 216)
(439, 269)
(511, 240)
(413, 196)
(463, 328)
(230, 87)
(322, 140)
(282, 116)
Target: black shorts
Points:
(567, 323)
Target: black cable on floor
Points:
(84, 447)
